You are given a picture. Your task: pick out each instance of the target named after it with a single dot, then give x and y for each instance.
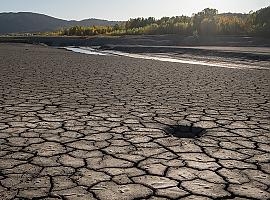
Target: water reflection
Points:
(92, 51)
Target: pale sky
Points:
(125, 9)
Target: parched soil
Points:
(76, 126)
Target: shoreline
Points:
(183, 58)
(237, 48)
(146, 40)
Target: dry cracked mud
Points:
(76, 126)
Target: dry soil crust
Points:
(78, 126)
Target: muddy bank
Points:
(241, 48)
(155, 40)
(259, 54)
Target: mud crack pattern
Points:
(92, 127)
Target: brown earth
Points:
(76, 126)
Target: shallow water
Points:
(92, 51)
(85, 50)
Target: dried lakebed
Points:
(76, 126)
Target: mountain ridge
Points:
(30, 22)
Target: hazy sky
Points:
(125, 9)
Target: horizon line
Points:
(40, 13)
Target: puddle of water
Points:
(85, 50)
(92, 51)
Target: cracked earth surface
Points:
(76, 126)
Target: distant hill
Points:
(27, 22)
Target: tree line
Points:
(206, 22)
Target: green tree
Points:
(206, 16)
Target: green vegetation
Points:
(206, 22)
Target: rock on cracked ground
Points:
(78, 126)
